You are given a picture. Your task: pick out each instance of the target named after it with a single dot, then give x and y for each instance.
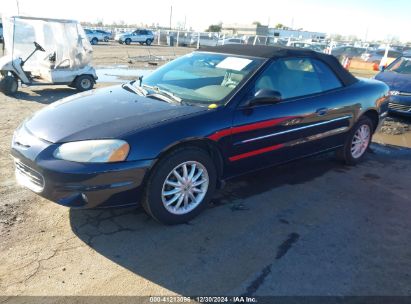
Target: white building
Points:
(301, 35)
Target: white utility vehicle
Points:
(42, 51)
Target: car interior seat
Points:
(231, 80)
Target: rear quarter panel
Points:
(369, 94)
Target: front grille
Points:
(29, 177)
(399, 107)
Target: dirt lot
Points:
(350, 238)
(135, 55)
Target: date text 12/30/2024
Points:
(202, 299)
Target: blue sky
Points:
(380, 18)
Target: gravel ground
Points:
(395, 126)
(350, 238)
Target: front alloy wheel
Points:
(185, 187)
(180, 185)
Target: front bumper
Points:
(80, 185)
(400, 104)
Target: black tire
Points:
(149, 42)
(345, 153)
(84, 83)
(152, 201)
(94, 41)
(127, 41)
(9, 85)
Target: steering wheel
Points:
(39, 47)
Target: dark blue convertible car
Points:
(170, 139)
(398, 77)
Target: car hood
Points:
(104, 113)
(396, 82)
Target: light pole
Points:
(18, 7)
(171, 15)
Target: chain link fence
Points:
(181, 38)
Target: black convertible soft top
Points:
(264, 51)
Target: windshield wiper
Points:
(138, 90)
(165, 93)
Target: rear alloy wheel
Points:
(180, 186)
(84, 83)
(357, 142)
(128, 41)
(149, 41)
(9, 85)
(94, 41)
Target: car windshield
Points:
(203, 78)
(401, 65)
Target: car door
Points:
(311, 117)
(137, 36)
(143, 36)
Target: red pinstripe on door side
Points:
(250, 127)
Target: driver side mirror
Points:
(265, 96)
(381, 68)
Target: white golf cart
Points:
(42, 51)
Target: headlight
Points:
(93, 151)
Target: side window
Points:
(328, 80)
(295, 77)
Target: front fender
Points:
(13, 65)
(6, 63)
(152, 142)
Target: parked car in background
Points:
(347, 51)
(398, 77)
(230, 41)
(376, 56)
(257, 40)
(407, 53)
(298, 44)
(169, 140)
(141, 36)
(184, 39)
(205, 39)
(94, 37)
(107, 35)
(306, 45)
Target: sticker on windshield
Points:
(234, 63)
